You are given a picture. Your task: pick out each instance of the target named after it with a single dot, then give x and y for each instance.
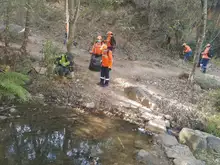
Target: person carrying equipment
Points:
(110, 41)
(206, 56)
(187, 52)
(106, 66)
(95, 62)
(64, 64)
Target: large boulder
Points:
(198, 140)
(168, 140)
(195, 139)
(213, 143)
(178, 151)
(147, 158)
(188, 161)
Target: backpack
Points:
(112, 41)
(210, 54)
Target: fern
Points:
(11, 86)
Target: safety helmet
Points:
(99, 38)
(208, 45)
(184, 44)
(110, 33)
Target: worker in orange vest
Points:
(206, 56)
(95, 62)
(187, 52)
(110, 41)
(106, 66)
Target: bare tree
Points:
(74, 6)
(6, 21)
(67, 19)
(27, 28)
(199, 43)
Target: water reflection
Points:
(27, 142)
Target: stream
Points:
(57, 136)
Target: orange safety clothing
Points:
(187, 49)
(67, 27)
(107, 58)
(108, 41)
(96, 49)
(205, 54)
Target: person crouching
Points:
(106, 66)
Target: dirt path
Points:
(158, 79)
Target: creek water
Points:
(57, 136)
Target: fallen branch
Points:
(121, 143)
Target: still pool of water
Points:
(53, 136)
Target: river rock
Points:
(168, 140)
(159, 123)
(178, 151)
(193, 138)
(188, 161)
(147, 158)
(213, 143)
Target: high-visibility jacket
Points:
(205, 54)
(107, 59)
(96, 49)
(108, 40)
(63, 61)
(187, 49)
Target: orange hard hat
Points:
(110, 33)
(99, 37)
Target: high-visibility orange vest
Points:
(107, 58)
(108, 40)
(205, 54)
(187, 49)
(96, 49)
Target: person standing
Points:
(110, 41)
(187, 52)
(106, 66)
(206, 56)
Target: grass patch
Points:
(213, 125)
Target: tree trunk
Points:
(199, 43)
(67, 19)
(73, 20)
(6, 31)
(27, 28)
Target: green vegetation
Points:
(213, 125)
(50, 52)
(12, 86)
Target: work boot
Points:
(101, 83)
(106, 83)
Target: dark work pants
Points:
(104, 79)
(204, 64)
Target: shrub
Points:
(11, 86)
(213, 125)
(50, 52)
